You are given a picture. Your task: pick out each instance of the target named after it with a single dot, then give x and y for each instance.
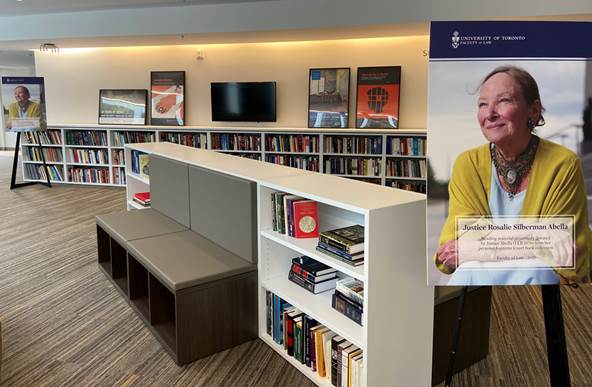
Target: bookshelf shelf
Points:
(406, 178)
(317, 306)
(319, 147)
(307, 247)
(41, 162)
(86, 164)
(135, 176)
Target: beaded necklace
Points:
(512, 172)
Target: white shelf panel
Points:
(117, 147)
(405, 156)
(88, 165)
(318, 306)
(44, 181)
(134, 204)
(323, 382)
(137, 177)
(88, 146)
(77, 183)
(307, 246)
(406, 178)
(358, 176)
(43, 145)
(235, 151)
(292, 153)
(354, 155)
(41, 162)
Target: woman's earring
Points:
(530, 124)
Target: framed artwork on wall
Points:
(328, 98)
(123, 106)
(167, 98)
(377, 97)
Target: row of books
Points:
(129, 137)
(408, 185)
(348, 298)
(50, 154)
(294, 216)
(406, 168)
(373, 180)
(37, 172)
(142, 198)
(292, 143)
(353, 145)
(235, 141)
(117, 156)
(325, 352)
(86, 137)
(89, 175)
(406, 146)
(352, 166)
(312, 275)
(310, 163)
(345, 244)
(195, 140)
(48, 137)
(88, 156)
(119, 176)
(140, 163)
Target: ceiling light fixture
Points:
(49, 47)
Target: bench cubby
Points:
(138, 287)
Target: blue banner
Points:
(510, 39)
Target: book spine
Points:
(334, 345)
(290, 330)
(273, 215)
(302, 272)
(301, 282)
(297, 341)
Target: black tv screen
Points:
(243, 101)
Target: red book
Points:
(142, 197)
(306, 219)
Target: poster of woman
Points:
(23, 103)
(507, 201)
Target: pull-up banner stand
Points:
(506, 101)
(23, 106)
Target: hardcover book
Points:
(314, 288)
(312, 266)
(350, 239)
(306, 219)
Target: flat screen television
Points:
(243, 101)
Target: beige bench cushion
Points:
(187, 259)
(136, 224)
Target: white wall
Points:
(73, 77)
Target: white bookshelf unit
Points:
(397, 324)
(359, 154)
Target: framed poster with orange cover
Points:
(377, 101)
(167, 98)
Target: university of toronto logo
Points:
(455, 39)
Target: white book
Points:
(345, 364)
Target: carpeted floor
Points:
(64, 324)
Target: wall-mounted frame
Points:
(328, 98)
(377, 97)
(167, 98)
(123, 106)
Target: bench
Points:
(187, 266)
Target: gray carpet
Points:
(63, 322)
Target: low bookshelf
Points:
(94, 154)
(396, 333)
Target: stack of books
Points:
(294, 216)
(345, 244)
(311, 343)
(348, 298)
(312, 275)
(142, 198)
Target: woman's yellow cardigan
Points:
(555, 187)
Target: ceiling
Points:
(29, 7)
